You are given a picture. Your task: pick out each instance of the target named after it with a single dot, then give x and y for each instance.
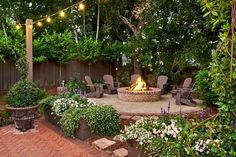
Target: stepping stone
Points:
(121, 152)
(103, 143)
(117, 138)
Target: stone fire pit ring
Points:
(153, 94)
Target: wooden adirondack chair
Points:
(186, 85)
(161, 83)
(110, 84)
(183, 96)
(96, 90)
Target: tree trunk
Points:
(98, 20)
(84, 24)
(137, 66)
(4, 29)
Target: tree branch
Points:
(126, 21)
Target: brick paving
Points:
(43, 141)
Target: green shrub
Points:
(44, 103)
(5, 117)
(22, 94)
(204, 86)
(70, 120)
(103, 120)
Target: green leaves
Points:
(23, 94)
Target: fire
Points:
(139, 85)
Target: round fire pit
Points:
(153, 94)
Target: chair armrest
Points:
(117, 83)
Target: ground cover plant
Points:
(71, 108)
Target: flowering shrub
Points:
(180, 137)
(62, 104)
(155, 134)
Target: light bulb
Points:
(18, 26)
(62, 14)
(48, 19)
(81, 6)
(39, 24)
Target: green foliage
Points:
(183, 137)
(5, 118)
(111, 51)
(23, 94)
(11, 45)
(70, 120)
(219, 16)
(103, 120)
(204, 85)
(44, 103)
(22, 67)
(54, 46)
(88, 49)
(74, 84)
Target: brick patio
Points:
(42, 141)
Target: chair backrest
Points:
(109, 80)
(187, 83)
(89, 82)
(134, 78)
(162, 79)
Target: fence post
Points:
(29, 48)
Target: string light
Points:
(48, 19)
(81, 6)
(39, 24)
(62, 14)
(18, 26)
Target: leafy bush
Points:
(204, 85)
(54, 46)
(103, 120)
(180, 137)
(62, 104)
(70, 120)
(74, 85)
(5, 118)
(23, 94)
(88, 49)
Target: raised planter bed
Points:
(83, 132)
(133, 151)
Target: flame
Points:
(139, 85)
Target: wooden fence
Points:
(51, 73)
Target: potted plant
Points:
(22, 99)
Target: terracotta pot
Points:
(84, 131)
(23, 117)
(52, 118)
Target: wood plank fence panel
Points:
(50, 73)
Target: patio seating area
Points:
(118, 78)
(147, 108)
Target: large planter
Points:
(84, 131)
(133, 150)
(53, 119)
(23, 117)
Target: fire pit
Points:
(138, 92)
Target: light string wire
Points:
(18, 25)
